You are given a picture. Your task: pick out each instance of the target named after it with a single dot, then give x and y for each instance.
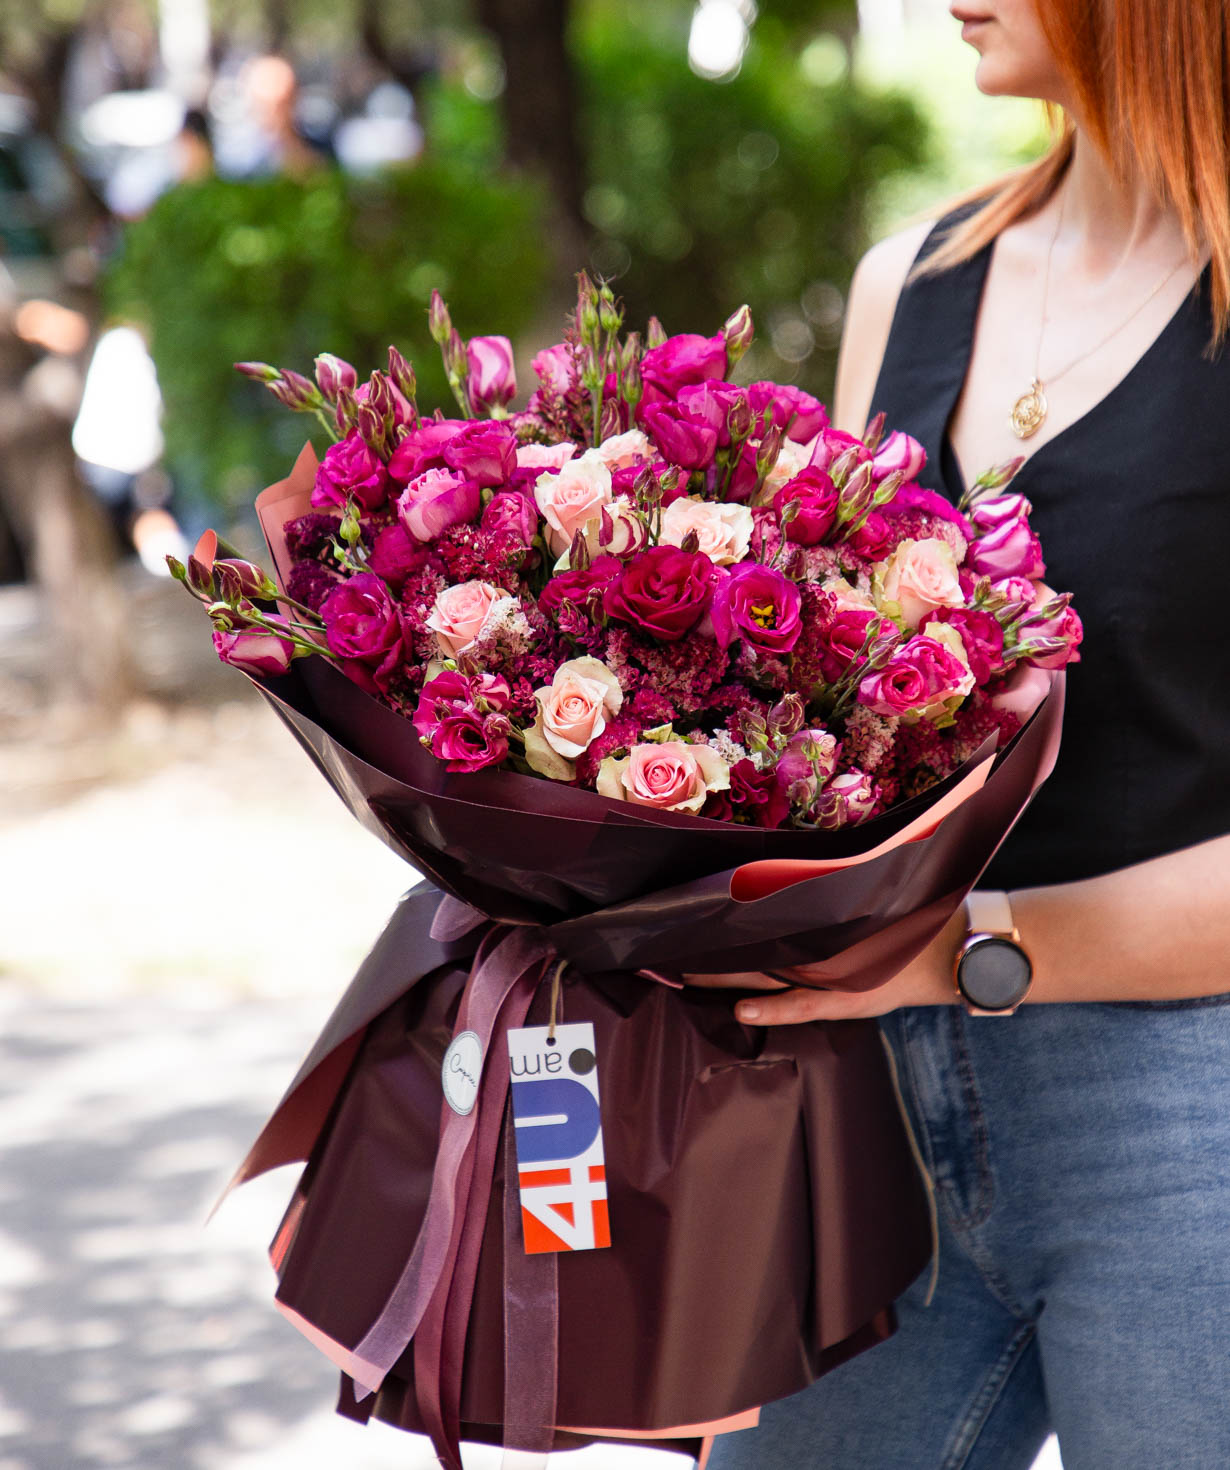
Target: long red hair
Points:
(1151, 80)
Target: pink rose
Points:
(459, 614)
(573, 711)
(921, 576)
(255, 653)
(898, 455)
(671, 776)
(919, 678)
(436, 500)
(572, 497)
(625, 451)
(544, 456)
(363, 629)
(492, 380)
(1010, 550)
(723, 532)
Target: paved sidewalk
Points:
(179, 906)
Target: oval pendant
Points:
(1028, 412)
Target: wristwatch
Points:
(992, 971)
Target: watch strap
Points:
(990, 912)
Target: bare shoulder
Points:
(872, 301)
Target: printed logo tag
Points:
(460, 1071)
(560, 1164)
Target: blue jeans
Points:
(1081, 1158)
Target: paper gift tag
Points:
(558, 1129)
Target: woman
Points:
(1080, 1151)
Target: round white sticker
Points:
(460, 1071)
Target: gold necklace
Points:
(1030, 409)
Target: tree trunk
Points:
(540, 110)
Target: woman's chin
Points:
(994, 79)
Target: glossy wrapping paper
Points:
(765, 1206)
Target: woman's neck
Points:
(1106, 218)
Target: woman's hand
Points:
(926, 980)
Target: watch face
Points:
(994, 974)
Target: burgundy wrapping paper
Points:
(765, 1207)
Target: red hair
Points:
(1151, 83)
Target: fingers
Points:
(737, 980)
(793, 1007)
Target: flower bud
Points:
(770, 448)
(294, 391)
(739, 419)
(655, 333)
(610, 318)
(200, 578)
(402, 373)
(380, 396)
(439, 323)
(333, 374)
(177, 569)
(587, 307)
(786, 717)
(875, 433)
(856, 497)
(370, 424)
(843, 465)
(609, 424)
(251, 580)
(259, 372)
(887, 489)
(999, 475)
(739, 333)
(456, 364)
(633, 384)
(578, 553)
(349, 528)
(346, 413)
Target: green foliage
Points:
(279, 270)
(707, 194)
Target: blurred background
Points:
(187, 184)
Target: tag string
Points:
(555, 984)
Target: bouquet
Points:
(660, 674)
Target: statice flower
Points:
(310, 583)
(869, 738)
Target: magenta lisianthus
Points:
(842, 640)
(757, 797)
(874, 539)
(663, 592)
(816, 498)
(1052, 642)
(833, 443)
(423, 449)
(363, 629)
(1010, 550)
(920, 676)
(580, 588)
(255, 652)
(917, 497)
(994, 510)
(483, 451)
(681, 361)
(395, 554)
(688, 442)
(512, 513)
(800, 415)
(981, 634)
(351, 468)
(556, 368)
(847, 800)
(898, 455)
(436, 500)
(461, 719)
(492, 379)
(710, 403)
(758, 605)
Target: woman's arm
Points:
(869, 317)
(1158, 930)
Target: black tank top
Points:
(1132, 505)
